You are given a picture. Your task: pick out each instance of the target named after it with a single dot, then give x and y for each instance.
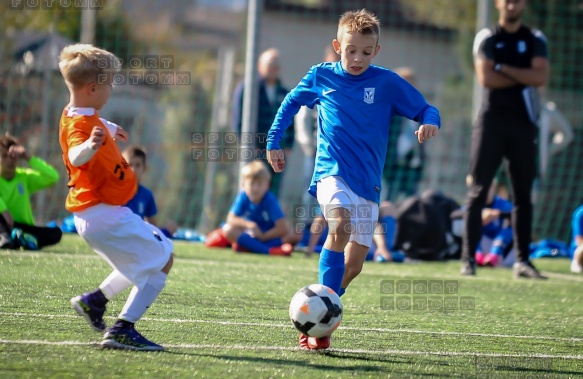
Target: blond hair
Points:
(255, 170)
(360, 21)
(82, 63)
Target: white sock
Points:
(114, 284)
(140, 299)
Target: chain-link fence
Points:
(183, 59)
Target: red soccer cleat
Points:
(284, 250)
(318, 343)
(304, 342)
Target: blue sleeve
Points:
(237, 108)
(412, 105)
(577, 223)
(274, 209)
(238, 207)
(151, 209)
(429, 115)
(503, 205)
(302, 94)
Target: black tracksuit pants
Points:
(498, 135)
(44, 235)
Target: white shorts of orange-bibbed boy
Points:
(333, 192)
(129, 244)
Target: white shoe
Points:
(577, 263)
(576, 267)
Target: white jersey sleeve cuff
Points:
(81, 154)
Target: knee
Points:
(340, 229)
(231, 233)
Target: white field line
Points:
(287, 348)
(352, 328)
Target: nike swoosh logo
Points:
(328, 91)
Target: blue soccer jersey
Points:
(576, 227)
(264, 214)
(354, 113)
(143, 203)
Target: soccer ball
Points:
(315, 310)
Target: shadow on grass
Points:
(306, 363)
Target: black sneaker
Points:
(526, 270)
(91, 313)
(468, 267)
(128, 339)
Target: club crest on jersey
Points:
(521, 47)
(20, 189)
(369, 95)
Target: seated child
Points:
(17, 229)
(496, 227)
(256, 222)
(143, 203)
(577, 243)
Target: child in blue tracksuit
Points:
(356, 101)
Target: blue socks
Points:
(342, 291)
(252, 244)
(331, 270)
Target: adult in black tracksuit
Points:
(510, 61)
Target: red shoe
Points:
(491, 260)
(216, 238)
(304, 342)
(284, 250)
(480, 258)
(319, 343)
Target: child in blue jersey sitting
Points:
(143, 203)
(495, 227)
(256, 222)
(577, 240)
(356, 101)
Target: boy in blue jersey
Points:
(577, 242)
(256, 222)
(356, 101)
(143, 203)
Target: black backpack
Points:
(425, 229)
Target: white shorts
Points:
(129, 244)
(333, 192)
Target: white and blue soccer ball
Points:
(316, 310)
